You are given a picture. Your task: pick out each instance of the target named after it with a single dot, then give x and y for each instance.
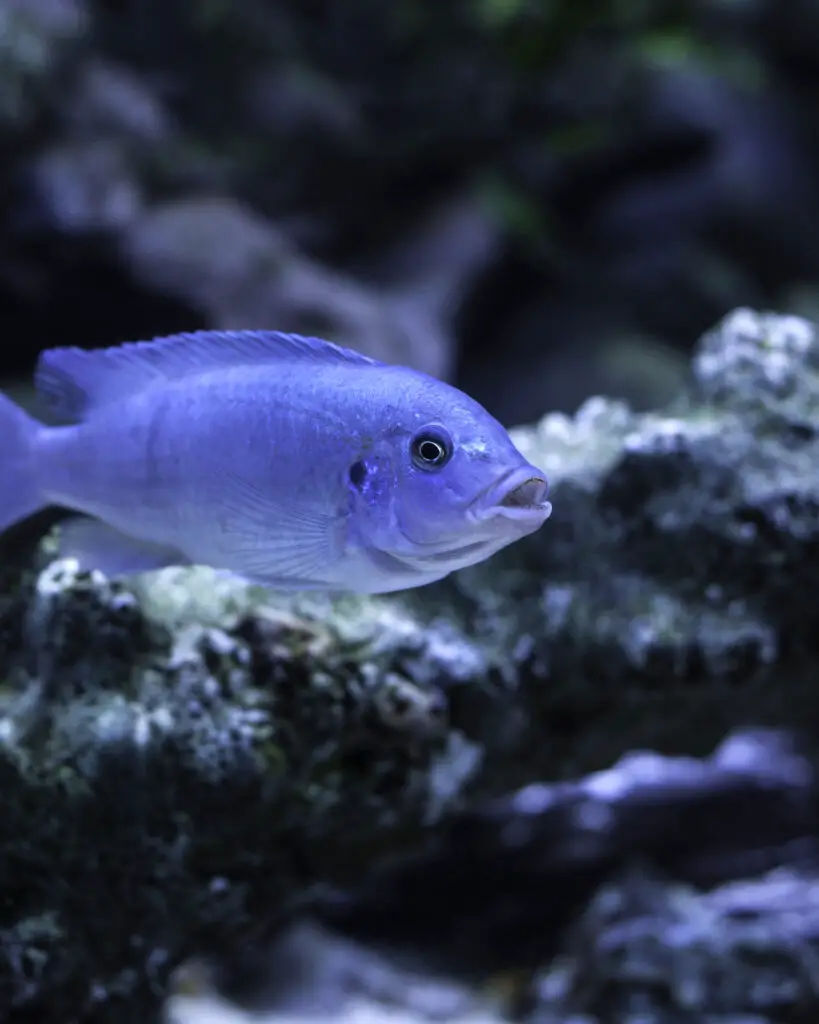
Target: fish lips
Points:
(520, 496)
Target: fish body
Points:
(289, 461)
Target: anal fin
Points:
(96, 545)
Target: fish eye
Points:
(431, 449)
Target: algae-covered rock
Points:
(178, 757)
(195, 752)
(708, 508)
(664, 889)
(672, 593)
(649, 950)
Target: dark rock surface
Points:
(499, 884)
(613, 898)
(184, 756)
(672, 593)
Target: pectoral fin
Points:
(287, 545)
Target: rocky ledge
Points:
(186, 759)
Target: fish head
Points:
(449, 488)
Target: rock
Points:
(90, 180)
(34, 35)
(110, 100)
(187, 755)
(86, 187)
(199, 753)
(580, 893)
(496, 886)
(744, 952)
(671, 593)
(238, 271)
(638, 183)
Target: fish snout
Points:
(531, 493)
(520, 496)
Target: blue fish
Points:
(289, 461)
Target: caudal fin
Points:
(19, 493)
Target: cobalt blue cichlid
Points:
(289, 461)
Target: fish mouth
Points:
(520, 495)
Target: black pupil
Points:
(430, 451)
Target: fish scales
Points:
(290, 461)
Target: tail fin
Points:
(19, 494)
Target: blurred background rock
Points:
(535, 199)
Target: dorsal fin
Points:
(73, 381)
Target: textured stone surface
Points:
(672, 592)
(188, 756)
(194, 751)
(574, 902)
